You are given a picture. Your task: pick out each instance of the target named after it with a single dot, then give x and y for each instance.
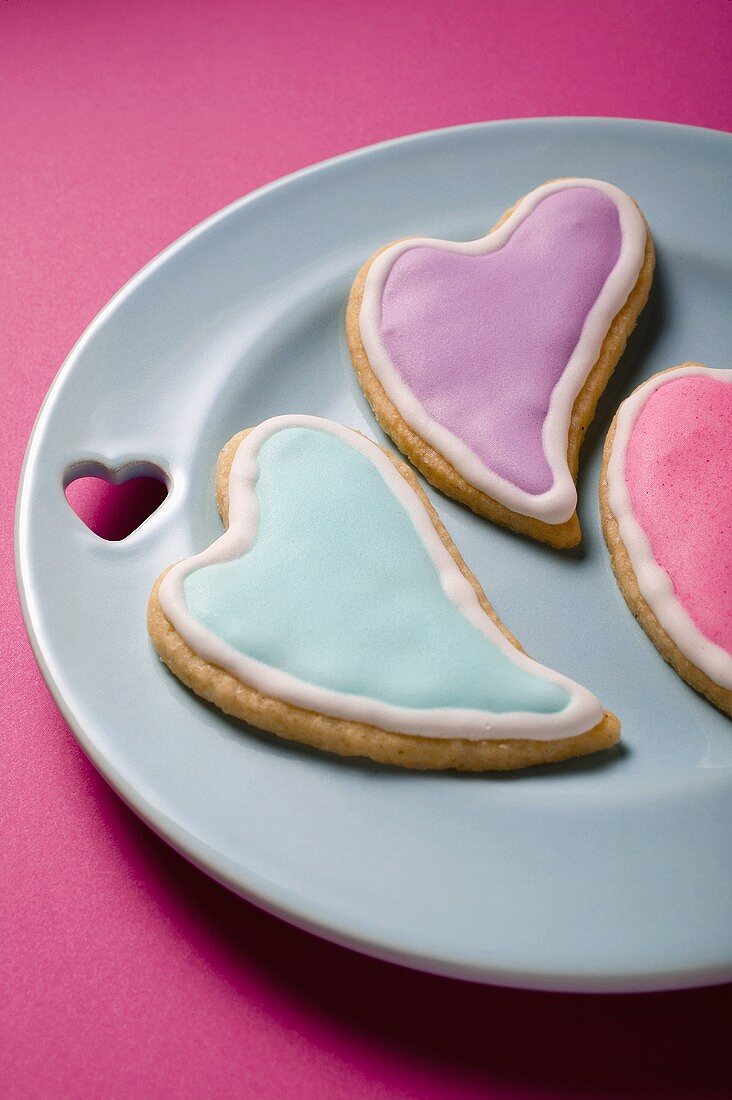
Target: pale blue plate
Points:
(613, 873)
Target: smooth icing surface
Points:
(332, 590)
(338, 563)
(483, 347)
(670, 487)
(483, 340)
(679, 472)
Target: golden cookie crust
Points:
(642, 611)
(348, 738)
(437, 469)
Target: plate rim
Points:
(186, 844)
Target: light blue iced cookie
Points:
(336, 611)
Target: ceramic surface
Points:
(608, 873)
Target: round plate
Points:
(608, 873)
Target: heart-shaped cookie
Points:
(484, 361)
(335, 610)
(666, 500)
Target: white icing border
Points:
(558, 503)
(654, 583)
(582, 713)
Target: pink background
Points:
(124, 972)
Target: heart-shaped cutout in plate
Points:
(115, 502)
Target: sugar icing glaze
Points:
(331, 590)
(483, 347)
(670, 489)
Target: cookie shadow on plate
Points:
(631, 368)
(231, 728)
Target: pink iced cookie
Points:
(484, 361)
(666, 497)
